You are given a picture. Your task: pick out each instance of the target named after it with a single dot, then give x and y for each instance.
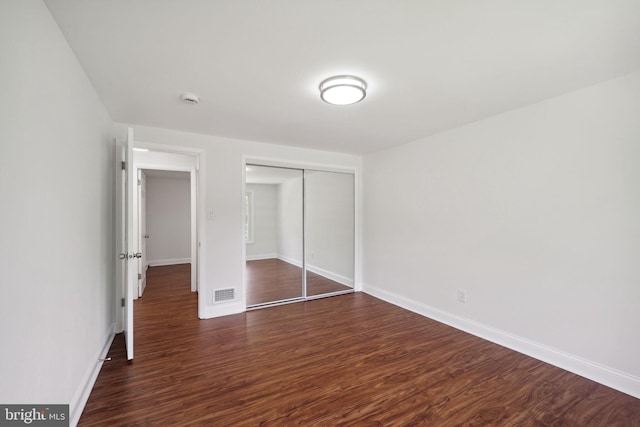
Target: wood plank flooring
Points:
(271, 280)
(349, 360)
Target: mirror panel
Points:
(273, 234)
(329, 232)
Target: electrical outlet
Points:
(462, 296)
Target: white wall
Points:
(56, 181)
(290, 221)
(265, 221)
(223, 168)
(536, 214)
(168, 220)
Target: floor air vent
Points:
(222, 295)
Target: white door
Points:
(128, 258)
(142, 231)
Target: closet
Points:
(299, 234)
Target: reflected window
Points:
(248, 217)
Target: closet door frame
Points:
(304, 166)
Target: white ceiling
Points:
(431, 65)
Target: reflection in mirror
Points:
(273, 234)
(329, 232)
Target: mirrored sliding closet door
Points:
(299, 233)
(273, 234)
(329, 232)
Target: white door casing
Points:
(139, 160)
(162, 158)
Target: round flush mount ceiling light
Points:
(190, 98)
(343, 90)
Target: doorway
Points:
(164, 220)
(180, 172)
(131, 157)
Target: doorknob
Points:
(122, 256)
(146, 236)
(136, 255)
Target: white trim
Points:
(330, 275)
(83, 392)
(610, 377)
(198, 274)
(261, 256)
(294, 164)
(167, 148)
(168, 261)
(143, 161)
(195, 265)
(143, 284)
(292, 261)
(222, 309)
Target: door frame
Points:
(292, 164)
(198, 247)
(193, 233)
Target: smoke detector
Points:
(190, 98)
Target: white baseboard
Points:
(292, 261)
(605, 375)
(222, 309)
(330, 275)
(143, 285)
(261, 256)
(79, 400)
(168, 261)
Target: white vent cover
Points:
(222, 295)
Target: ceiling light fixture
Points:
(343, 90)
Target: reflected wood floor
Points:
(274, 280)
(346, 360)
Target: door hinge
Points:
(139, 276)
(122, 302)
(124, 165)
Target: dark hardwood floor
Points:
(272, 279)
(345, 360)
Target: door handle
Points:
(146, 236)
(122, 256)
